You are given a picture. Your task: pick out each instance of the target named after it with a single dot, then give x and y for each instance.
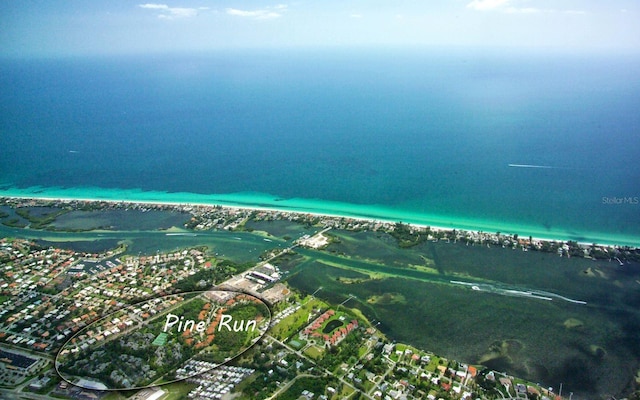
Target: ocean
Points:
(531, 142)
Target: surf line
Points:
(531, 166)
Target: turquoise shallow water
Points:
(533, 142)
(383, 213)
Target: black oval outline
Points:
(267, 306)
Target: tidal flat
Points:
(527, 324)
(144, 233)
(534, 315)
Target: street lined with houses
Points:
(50, 294)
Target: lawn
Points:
(177, 390)
(295, 321)
(345, 393)
(313, 352)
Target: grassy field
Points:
(313, 352)
(178, 390)
(297, 320)
(345, 393)
(114, 396)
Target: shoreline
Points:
(257, 207)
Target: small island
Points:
(359, 308)
(208, 217)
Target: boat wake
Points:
(532, 166)
(532, 294)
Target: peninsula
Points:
(215, 216)
(355, 302)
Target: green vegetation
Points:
(206, 278)
(40, 221)
(112, 396)
(313, 352)
(229, 342)
(296, 321)
(400, 279)
(160, 340)
(54, 379)
(314, 385)
(405, 236)
(14, 223)
(347, 349)
(573, 323)
(141, 357)
(177, 390)
(387, 298)
(331, 325)
(351, 281)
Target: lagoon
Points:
(428, 136)
(545, 338)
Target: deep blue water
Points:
(430, 131)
